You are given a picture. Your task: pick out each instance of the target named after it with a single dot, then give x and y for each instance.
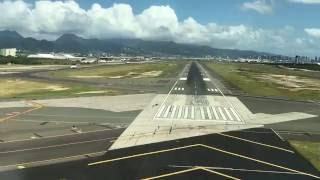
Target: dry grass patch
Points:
(11, 87)
(292, 83)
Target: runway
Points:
(193, 132)
(192, 99)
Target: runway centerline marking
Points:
(208, 147)
(254, 142)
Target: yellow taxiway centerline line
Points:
(37, 106)
(262, 144)
(172, 174)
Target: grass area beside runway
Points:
(25, 88)
(310, 150)
(270, 80)
(123, 71)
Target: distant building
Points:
(8, 52)
(55, 56)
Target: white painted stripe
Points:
(175, 88)
(206, 79)
(202, 113)
(209, 112)
(235, 114)
(178, 89)
(228, 113)
(173, 111)
(167, 112)
(209, 90)
(182, 89)
(277, 135)
(215, 113)
(216, 90)
(186, 111)
(161, 110)
(192, 112)
(180, 112)
(183, 79)
(212, 90)
(222, 114)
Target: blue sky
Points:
(229, 12)
(280, 26)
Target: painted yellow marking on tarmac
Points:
(208, 147)
(254, 142)
(142, 154)
(259, 161)
(190, 170)
(221, 174)
(36, 106)
(172, 174)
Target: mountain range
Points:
(71, 43)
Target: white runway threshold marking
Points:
(167, 111)
(222, 114)
(235, 114)
(215, 113)
(180, 112)
(202, 113)
(192, 112)
(186, 110)
(173, 111)
(228, 114)
(161, 110)
(209, 112)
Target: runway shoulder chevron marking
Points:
(190, 170)
(207, 147)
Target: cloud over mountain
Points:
(49, 19)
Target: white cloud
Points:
(314, 32)
(51, 19)
(260, 6)
(305, 1)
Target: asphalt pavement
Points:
(248, 154)
(29, 152)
